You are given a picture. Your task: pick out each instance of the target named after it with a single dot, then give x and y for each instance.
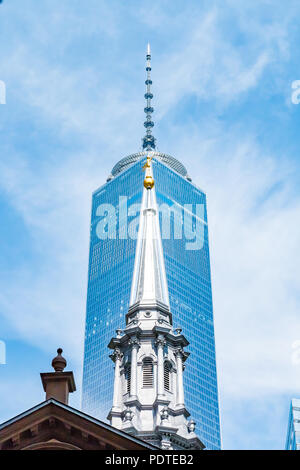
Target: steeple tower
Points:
(148, 140)
(148, 399)
(149, 282)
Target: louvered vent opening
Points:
(127, 379)
(147, 373)
(167, 369)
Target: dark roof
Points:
(68, 408)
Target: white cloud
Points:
(254, 233)
(252, 198)
(211, 64)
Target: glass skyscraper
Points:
(293, 431)
(187, 262)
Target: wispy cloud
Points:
(79, 104)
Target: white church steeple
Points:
(149, 282)
(148, 399)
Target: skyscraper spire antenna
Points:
(148, 140)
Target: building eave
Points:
(89, 418)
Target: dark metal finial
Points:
(59, 362)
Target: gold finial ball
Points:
(149, 182)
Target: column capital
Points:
(117, 355)
(128, 414)
(160, 341)
(179, 352)
(134, 342)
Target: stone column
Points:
(117, 358)
(134, 349)
(160, 342)
(180, 392)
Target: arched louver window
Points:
(127, 378)
(147, 373)
(167, 370)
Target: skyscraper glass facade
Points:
(293, 431)
(187, 263)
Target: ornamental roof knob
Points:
(59, 362)
(191, 425)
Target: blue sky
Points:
(222, 74)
